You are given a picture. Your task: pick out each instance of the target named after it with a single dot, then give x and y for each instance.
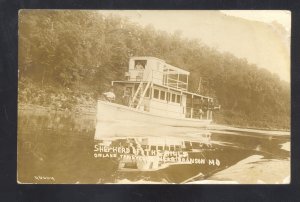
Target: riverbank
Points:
(54, 98)
(77, 109)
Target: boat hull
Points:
(115, 120)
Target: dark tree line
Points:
(82, 51)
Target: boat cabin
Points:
(157, 71)
(152, 85)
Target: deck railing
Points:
(174, 83)
(139, 74)
(197, 113)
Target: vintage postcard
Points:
(148, 96)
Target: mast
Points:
(199, 85)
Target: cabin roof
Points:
(169, 68)
(145, 58)
(197, 95)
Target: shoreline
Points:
(82, 108)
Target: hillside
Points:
(70, 57)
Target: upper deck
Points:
(157, 71)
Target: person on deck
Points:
(201, 112)
(139, 66)
(126, 97)
(110, 95)
(205, 105)
(211, 105)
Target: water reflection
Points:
(60, 148)
(152, 153)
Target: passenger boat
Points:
(155, 100)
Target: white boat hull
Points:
(115, 120)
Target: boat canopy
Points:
(169, 69)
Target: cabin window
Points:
(156, 94)
(173, 98)
(178, 99)
(189, 100)
(162, 95)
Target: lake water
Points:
(60, 148)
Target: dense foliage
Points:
(82, 51)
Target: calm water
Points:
(60, 148)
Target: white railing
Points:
(197, 113)
(176, 84)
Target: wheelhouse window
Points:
(156, 93)
(140, 64)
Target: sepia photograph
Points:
(154, 97)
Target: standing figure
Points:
(139, 66)
(110, 95)
(126, 96)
